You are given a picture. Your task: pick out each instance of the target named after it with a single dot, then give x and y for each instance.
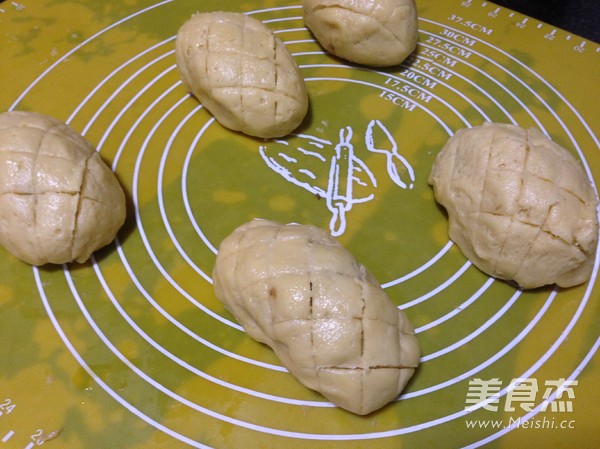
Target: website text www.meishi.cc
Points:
(532, 423)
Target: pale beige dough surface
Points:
(59, 201)
(520, 206)
(379, 33)
(298, 290)
(242, 73)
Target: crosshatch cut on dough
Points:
(298, 290)
(241, 73)
(378, 33)
(520, 206)
(59, 201)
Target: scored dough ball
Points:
(59, 201)
(379, 33)
(520, 206)
(244, 75)
(298, 290)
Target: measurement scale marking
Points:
(8, 436)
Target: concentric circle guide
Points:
(141, 322)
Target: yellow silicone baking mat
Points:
(133, 351)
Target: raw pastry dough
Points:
(520, 206)
(301, 292)
(59, 201)
(241, 73)
(379, 33)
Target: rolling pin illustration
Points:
(394, 159)
(339, 187)
(303, 160)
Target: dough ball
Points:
(520, 206)
(241, 73)
(379, 33)
(59, 201)
(298, 290)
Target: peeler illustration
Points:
(394, 159)
(338, 174)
